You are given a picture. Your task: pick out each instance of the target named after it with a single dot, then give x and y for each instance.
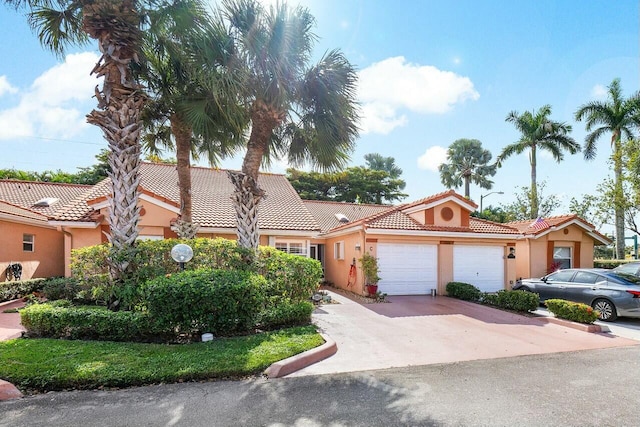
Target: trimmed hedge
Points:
(60, 320)
(289, 277)
(292, 314)
(19, 289)
(610, 263)
(513, 300)
(463, 291)
(217, 301)
(574, 311)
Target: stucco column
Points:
(445, 266)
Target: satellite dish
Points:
(181, 253)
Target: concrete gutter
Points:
(302, 360)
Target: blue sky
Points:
(431, 72)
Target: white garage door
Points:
(482, 266)
(407, 269)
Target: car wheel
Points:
(606, 308)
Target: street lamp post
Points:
(487, 195)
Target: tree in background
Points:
(617, 116)
(378, 162)
(304, 113)
(354, 184)
(520, 209)
(495, 214)
(467, 162)
(538, 132)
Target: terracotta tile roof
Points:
(17, 211)
(26, 194)
(524, 226)
(439, 196)
(479, 225)
(325, 212)
(211, 190)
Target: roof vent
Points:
(46, 202)
(342, 218)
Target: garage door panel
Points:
(481, 266)
(407, 269)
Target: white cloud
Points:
(432, 158)
(5, 86)
(56, 103)
(394, 84)
(599, 92)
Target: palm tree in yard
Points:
(618, 116)
(116, 26)
(301, 112)
(538, 132)
(467, 162)
(171, 70)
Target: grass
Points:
(40, 365)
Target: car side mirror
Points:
(544, 279)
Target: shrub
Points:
(62, 288)
(60, 320)
(289, 277)
(609, 263)
(217, 301)
(463, 291)
(19, 289)
(513, 300)
(573, 311)
(293, 314)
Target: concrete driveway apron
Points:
(422, 330)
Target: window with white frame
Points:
(28, 241)
(292, 247)
(562, 257)
(338, 250)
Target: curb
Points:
(2, 304)
(574, 325)
(8, 391)
(302, 360)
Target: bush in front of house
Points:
(222, 302)
(283, 315)
(60, 319)
(463, 291)
(574, 311)
(289, 277)
(19, 289)
(513, 300)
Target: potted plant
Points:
(370, 271)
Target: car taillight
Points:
(636, 294)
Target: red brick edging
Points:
(302, 360)
(8, 391)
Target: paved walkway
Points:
(10, 326)
(422, 330)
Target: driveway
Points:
(423, 330)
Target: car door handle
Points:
(594, 288)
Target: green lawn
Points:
(38, 365)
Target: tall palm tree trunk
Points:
(248, 194)
(115, 25)
(619, 196)
(186, 228)
(534, 184)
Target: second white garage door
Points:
(407, 269)
(482, 266)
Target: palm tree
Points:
(618, 116)
(116, 26)
(171, 72)
(467, 162)
(301, 112)
(538, 132)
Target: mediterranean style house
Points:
(420, 246)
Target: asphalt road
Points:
(595, 387)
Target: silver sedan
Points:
(611, 293)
